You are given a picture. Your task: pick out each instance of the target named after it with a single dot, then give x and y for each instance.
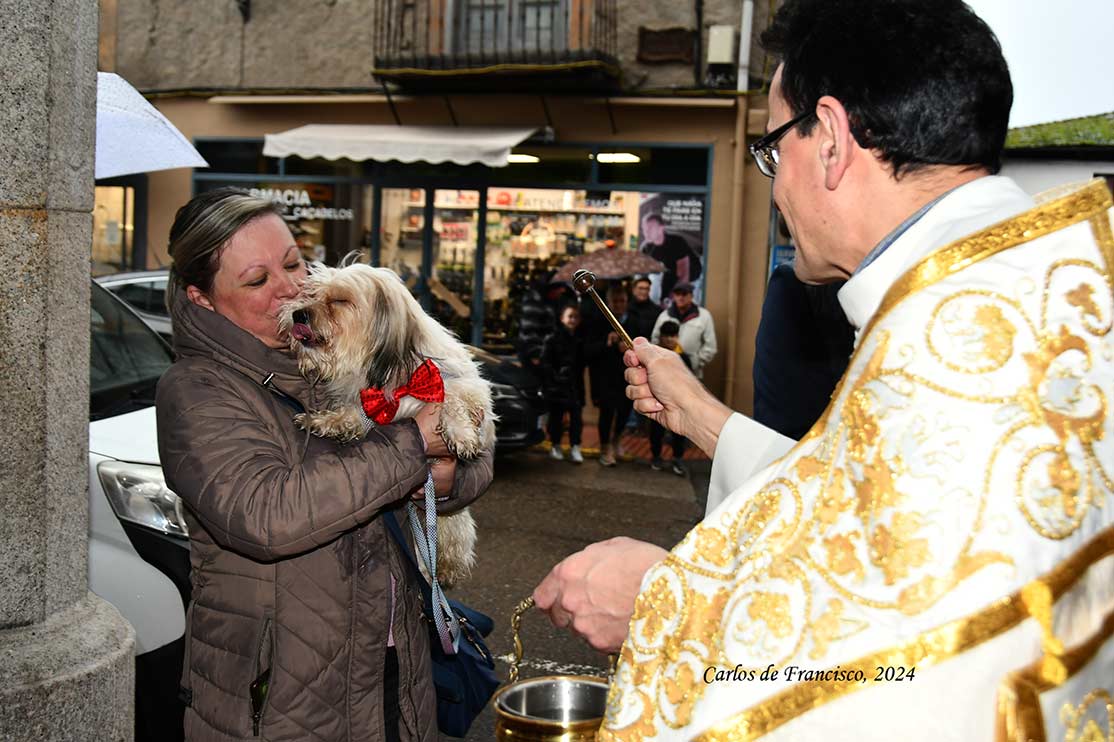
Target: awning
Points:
(462, 145)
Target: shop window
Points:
(113, 230)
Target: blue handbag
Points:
(463, 667)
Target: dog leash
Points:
(448, 627)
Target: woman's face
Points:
(260, 269)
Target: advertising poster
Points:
(671, 229)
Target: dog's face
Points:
(354, 323)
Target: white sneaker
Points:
(556, 454)
(575, 455)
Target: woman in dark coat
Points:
(305, 622)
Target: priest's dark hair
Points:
(923, 83)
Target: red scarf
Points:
(425, 384)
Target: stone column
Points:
(66, 656)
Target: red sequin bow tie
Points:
(425, 384)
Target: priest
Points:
(935, 558)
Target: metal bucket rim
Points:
(583, 724)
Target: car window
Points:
(157, 304)
(126, 358)
(146, 296)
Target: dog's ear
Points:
(394, 338)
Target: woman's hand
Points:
(429, 423)
(444, 478)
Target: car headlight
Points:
(504, 391)
(138, 494)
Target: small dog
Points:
(358, 331)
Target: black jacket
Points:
(605, 362)
(803, 345)
(563, 368)
(641, 316)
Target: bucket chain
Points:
(516, 622)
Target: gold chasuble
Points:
(934, 559)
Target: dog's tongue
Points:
(303, 333)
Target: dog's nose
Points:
(301, 317)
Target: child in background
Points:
(563, 383)
(668, 338)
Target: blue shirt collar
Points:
(901, 229)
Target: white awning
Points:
(462, 145)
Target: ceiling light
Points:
(522, 159)
(618, 158)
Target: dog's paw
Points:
(340, 425)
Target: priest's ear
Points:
(837, 145)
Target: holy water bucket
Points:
(554, 708)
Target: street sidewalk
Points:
(635, 442)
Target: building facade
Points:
(629, 113)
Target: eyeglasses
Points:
(764, 151)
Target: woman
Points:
(305, 623)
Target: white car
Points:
(138, 544)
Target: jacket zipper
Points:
(355, 578)
(259, 690)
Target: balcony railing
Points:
(444, 43)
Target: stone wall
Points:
(66, 662)
(329, 44)
(662, 14)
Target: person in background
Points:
(304, 614)
(642, 311)
(563, 383)
(535, 322)
(803, 344)
(698, 328)
(603, 351)
(668, 338)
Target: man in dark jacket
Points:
(802, 348)
(603, 353)
(642, 312)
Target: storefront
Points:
(472, 240)
(119, 225)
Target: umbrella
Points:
(132, 136)
(613, 263)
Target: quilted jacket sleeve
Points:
(252, 485)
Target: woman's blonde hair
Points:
(201, 230)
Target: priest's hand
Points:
(664, 390)
(592, 592)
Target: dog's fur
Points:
(368, 331)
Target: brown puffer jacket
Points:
(292, 569)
